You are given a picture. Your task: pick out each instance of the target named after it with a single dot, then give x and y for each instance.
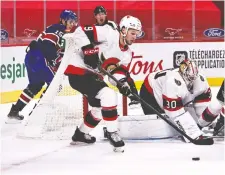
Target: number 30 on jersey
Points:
(172, 104)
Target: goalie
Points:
(169, 90)
(83, 72)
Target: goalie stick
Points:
(196, 142)
(217, 132)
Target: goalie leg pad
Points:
(186, 123)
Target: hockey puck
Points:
(195, 158)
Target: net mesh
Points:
(60, 110)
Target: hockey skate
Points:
(14, 116)
(115, 140)
(80, 137)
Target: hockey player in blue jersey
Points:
(43, 57)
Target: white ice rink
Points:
(41, 157)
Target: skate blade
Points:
(13, 121)
(73, 143)
(118, 149)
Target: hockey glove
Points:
(54, 64)
(91, 55)
(124, 88)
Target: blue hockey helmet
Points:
(67, 15)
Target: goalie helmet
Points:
(130, 22)
(189, 70)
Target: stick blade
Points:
(207, 141)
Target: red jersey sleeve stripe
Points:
(172, 104)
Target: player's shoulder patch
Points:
(178, 82)
(201, 78)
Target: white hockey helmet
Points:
(189, 70)
(130, 22)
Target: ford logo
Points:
(214, 33)
(4, 35)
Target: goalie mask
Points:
(189, 71)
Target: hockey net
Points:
(61, 109)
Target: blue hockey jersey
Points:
(49, 41)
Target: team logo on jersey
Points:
(177, 82)
(178, 57)
(4, 35)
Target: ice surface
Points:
(42, 157)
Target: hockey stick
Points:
(218, 131)
(196, 142)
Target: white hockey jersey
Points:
(107, 41)
(171, 92)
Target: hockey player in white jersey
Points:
(92, 42)
(169, 90)
(101, 18)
